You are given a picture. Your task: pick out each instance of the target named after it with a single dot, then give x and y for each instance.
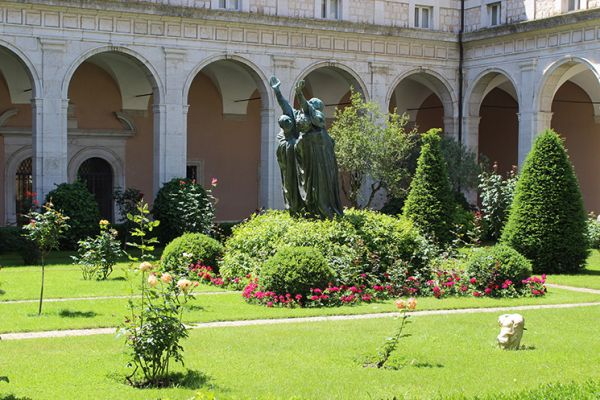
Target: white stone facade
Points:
(172, 40)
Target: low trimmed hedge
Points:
(191, 248)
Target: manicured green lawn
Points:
(444, 355)
(589, 277)
(231, 306)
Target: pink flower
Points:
(317, 291)
(314, 298)
(214, 182)
(473, 281)
(298, 297)
(488, 290)
(269, 304)
(476, 294)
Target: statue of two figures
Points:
(305, 153)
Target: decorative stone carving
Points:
(511, 331)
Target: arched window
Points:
(23, 190)
(98, 176)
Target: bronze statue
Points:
(306, 157)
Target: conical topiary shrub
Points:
(547, 221)
(430, 202)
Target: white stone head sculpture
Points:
(511, 331)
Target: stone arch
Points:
(428, 90)
(230, 116)
(484, 83)
(492, 110)
(259, 77)
(12, 164)
(128, 83)
(349, 73)
(561, 71)
(28, 67)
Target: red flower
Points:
(473, 281)
(476, 294)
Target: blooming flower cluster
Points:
(331, 296)
(207, 275)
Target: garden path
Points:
(573, 288)
(59, 300)
(275, 321)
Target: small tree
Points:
(183, 206)
(547, 221)
(98, 255)
(45, 229)
(430, 202)
(371, 144)
(496, 194)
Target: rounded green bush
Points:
(295, 270)
(492, 266)
(181, 206)
(547, 220)
(198, 248)
(76, 202)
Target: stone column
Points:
(531, 119)
(170, 122)
(471, 132)
(50, 122)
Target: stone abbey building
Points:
(134, 93)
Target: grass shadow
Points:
(2, 292)
(118, 278)
(195, 307)
(190, 379)
(65, 313)
(13, 397)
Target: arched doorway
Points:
(111, 110)
(97, 174)
(426, 99)
(571, 92)
(227, 118)
(17, 89)
(24, 197)
(494, 104)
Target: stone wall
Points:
(301, 8)
(545, 8)
(449, 20)
(268, 7)
(395, 13)
(515, 11)
(473, 19)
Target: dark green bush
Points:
(547, 221)
(76, 202)
(10, 239)
(181, 206)
(430, 201)
(593, 232)
(492, 266)
(295, 270)
(191, 248)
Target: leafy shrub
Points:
(127, 201)
(188, 249)
(461, 163)
(496, 194)
(547, 222)
(183, 206)
(430, 201)
(359, 242)
(76, 202)
(593, 232)
(98, 255)
(493, 266)
(10, 239)
(388, 239)
(296, 270)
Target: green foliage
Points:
(142, 227)
(492, 266)
(388, 239)
(361, 241)
(98, 255)
(593, 232)
(127, 201)
(76, 202)
(430, 202)
(183, 206)
(295, 270)
(547, 222)
(496, 194)
(191, 248)
(371, 144)
(12, 240)
(462, 165)
(45, 229)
